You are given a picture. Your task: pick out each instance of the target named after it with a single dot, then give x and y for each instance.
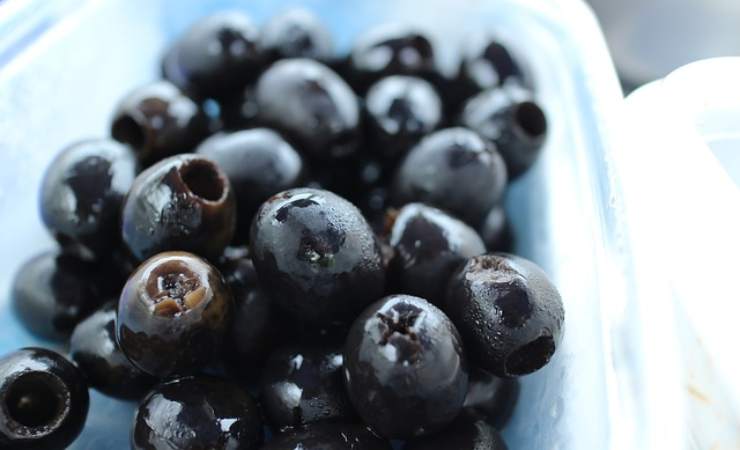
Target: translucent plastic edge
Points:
(694, 241)
(628, 409)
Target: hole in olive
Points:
(203, 180)
(531, 119)
(174, 288)
(34, 399)
(530, 357)
(127, 130)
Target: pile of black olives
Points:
(317, 263)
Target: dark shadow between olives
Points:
(530, 356)
(33, 402)
(530, 120)
(126, 129)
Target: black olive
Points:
(312, 105)
(184, 202)
(93, 347)
(157, 121)
(453, 169)
(44, 400)
(405, 368)
(216, 57)
(302, 384)
(173, 314)
(197, 413)
(82, 193)
(511, 119)
(428, 246)
(508, 313)
(53, 292)
(316, 256)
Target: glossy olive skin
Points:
(259, 163)
(157, 121)
(512, 119)
(44, 400)
(496, 231)
(197, 413)
(184, 202)
(492, 397)
(94, 349)
(404, 366)
(303, 383)
(296, 33)
(311, 105)
(390, 49)
(428, 245)
(256, 326)
(173, 314)
(466, 433)
(508, 313)
(400, 110)
(328, 436)
(81, 196)
(216, 56)
(487, 63)
(316, 256)
(53, 292)
(453, 169)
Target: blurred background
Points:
(648, 39)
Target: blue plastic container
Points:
(64, 64)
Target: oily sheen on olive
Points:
(316, 256)
(184, 202)
(453, 169)
(328, 436)
(302, 384)
(173, 314)
(93, 347)
(217, 56)
(405, 368)
(508, 312)
(44, 400)
(157, 120)
(53, 292)
(197, 413)
(400, 110)
(312, 105)
(428, 245)
(81, 196)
